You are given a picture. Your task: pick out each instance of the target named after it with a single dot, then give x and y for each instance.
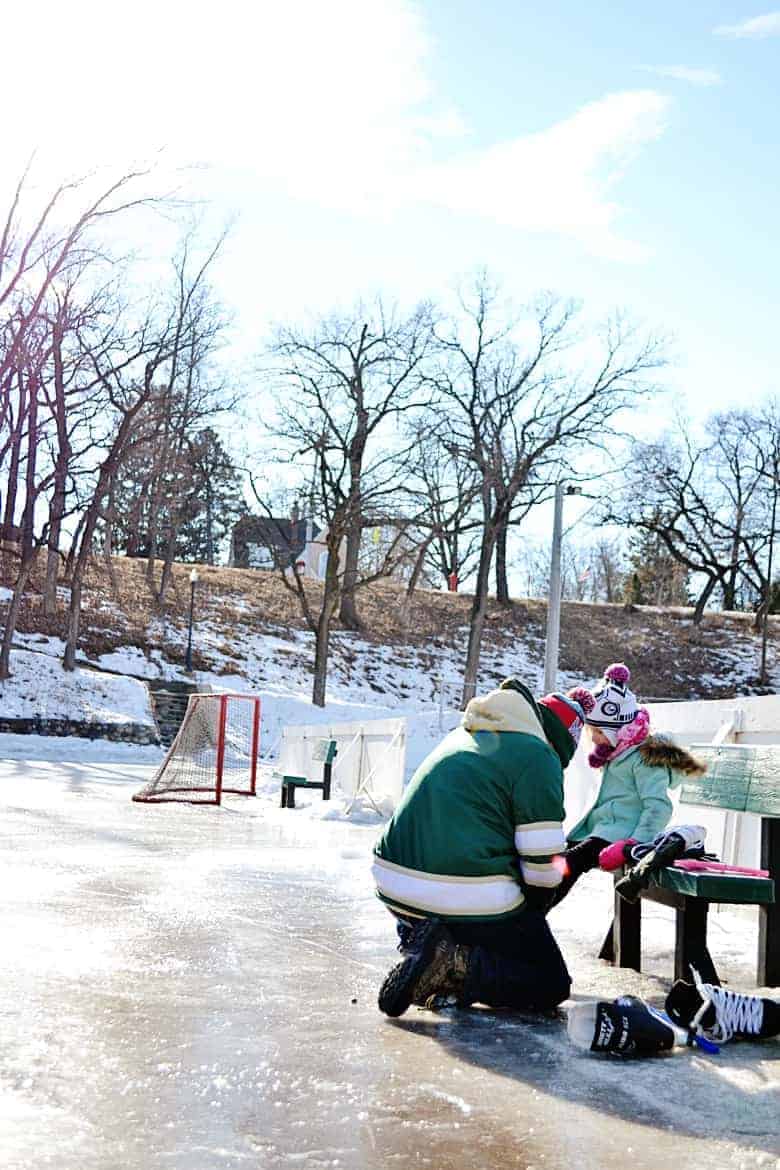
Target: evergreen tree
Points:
(215, 499)
(654, 577)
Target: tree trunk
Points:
(12, 482)
(62, 460)
(209, 524)
(151, 546)
(477, 616)
(52, 569)
(108, 543)
(704, 597)
(74, 619)
(88, 522)
(167, 569)
(77, 577)
(411, 585)
(56, 513)
(348, 614)
(12, 616)
(70, 559)
(729, 582)
(135, 521)
(502, 586)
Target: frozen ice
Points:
(195, 988)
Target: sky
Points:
(626, 155)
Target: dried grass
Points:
(667, 654)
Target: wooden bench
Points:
(742, 779)
(325, 751)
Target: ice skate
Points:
(715, 1013)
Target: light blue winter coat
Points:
(633, 799)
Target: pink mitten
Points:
(615, 855)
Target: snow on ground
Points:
(39, 686)
(75, 749)
(129, 660)
(189, 988)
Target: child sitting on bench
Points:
(638, 769)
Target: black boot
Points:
(438, 967)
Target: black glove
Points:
(669, 848)
(584, 855)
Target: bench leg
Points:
(627, 933)
(769, 945)
(769, 916)
(691, 942)
(607, 951)
(284, 796)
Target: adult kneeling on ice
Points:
(467, 863)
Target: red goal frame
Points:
(181, 793)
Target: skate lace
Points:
(734, 1013)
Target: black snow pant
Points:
(515, 963)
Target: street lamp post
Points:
(193, 583)
(768, 599)
(554, 603)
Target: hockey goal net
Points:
(215, 751)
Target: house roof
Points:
(280, 534)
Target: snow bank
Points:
(39, 686)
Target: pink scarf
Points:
(628, 737)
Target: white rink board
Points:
(372, 751)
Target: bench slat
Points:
(715, 887)
(741, 777)
(324, 751)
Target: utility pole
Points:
(762, 678)
(554, 602)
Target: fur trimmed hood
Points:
(658, 751)
(503, 710)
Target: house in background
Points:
(275, 542)
(266, 542)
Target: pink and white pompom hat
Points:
(615, 704)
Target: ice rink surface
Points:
(190, 988)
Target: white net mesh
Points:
(215, 751)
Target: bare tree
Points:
(127, 392)
(327, 496)
(352, 376)
(439, 498)
(44, 255)
(758, 535)
(518, 416)
(187, 399)
(30, 360)
(338, 391)
(697, 498)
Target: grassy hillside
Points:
(249, 626)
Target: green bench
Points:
(742, 779)
(325, 751)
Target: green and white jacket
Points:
(480, 820)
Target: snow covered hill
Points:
(248, 635)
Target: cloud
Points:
(685, 73)
(758, 27)
(558, 180)
(326, 104)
